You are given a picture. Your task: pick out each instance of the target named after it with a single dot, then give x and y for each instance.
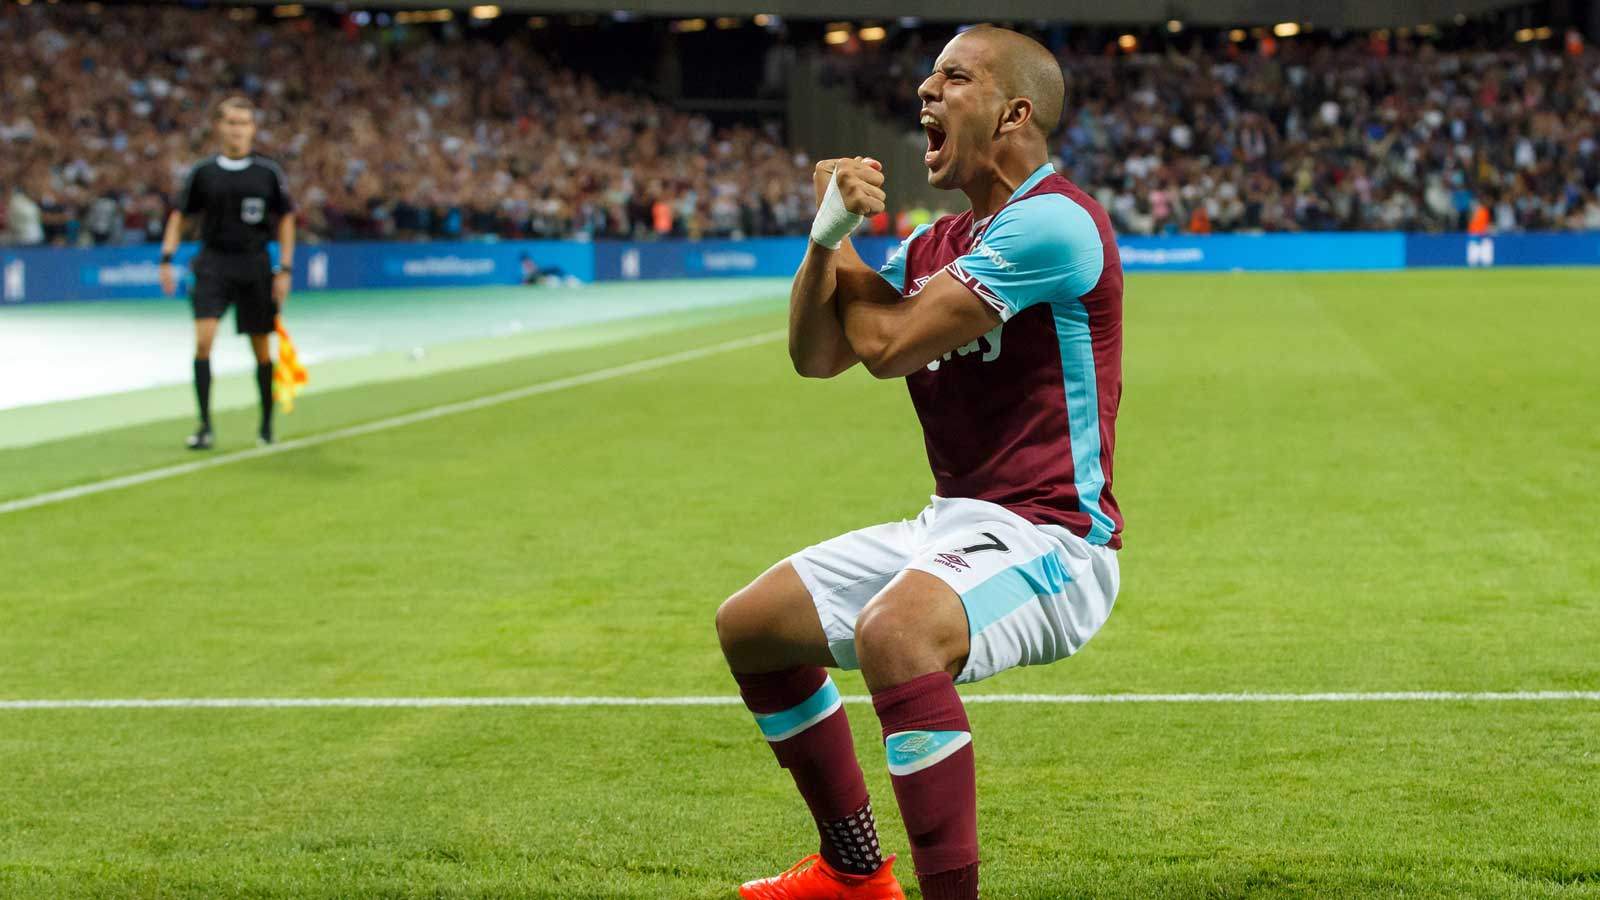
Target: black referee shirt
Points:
(240, 200)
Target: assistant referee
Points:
(241, 199)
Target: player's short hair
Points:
(234, 102)
(1026, 68)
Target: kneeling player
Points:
(1006, 323)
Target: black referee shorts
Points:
(240, 280)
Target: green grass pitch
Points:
(1332, 483)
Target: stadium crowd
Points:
(1288, 136)
(401, 132)
(386, 133)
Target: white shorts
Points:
(1033, 593)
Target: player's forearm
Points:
(867, 319)
(847, 191)
(286, 242)
(817, 346)
(174, 232)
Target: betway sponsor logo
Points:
(1161, 257)
(988, 345)
(728, 261)
(139, 274)
(445, 266)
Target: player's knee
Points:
(896, 641)
(884, 630)
(724, 621)
(733, 622)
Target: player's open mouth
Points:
(930, 126)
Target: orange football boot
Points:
(813, 879)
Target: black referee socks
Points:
(264, 384)
(202, 389)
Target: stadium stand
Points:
(386, 132)
(486, 136)
(1291, 136)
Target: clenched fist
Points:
(860, 183)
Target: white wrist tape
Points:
(833, 222)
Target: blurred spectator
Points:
(534, 274)
(23, 219)
(103, 220)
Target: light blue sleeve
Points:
(894, 271)
(1042, 249)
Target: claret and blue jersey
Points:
(1025, 417)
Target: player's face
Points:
(238, 129)
(961, 111)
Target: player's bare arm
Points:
(900, 335)
(891, 335)
(169, 246)
(281, 279)
(832, 268)
(842, 312)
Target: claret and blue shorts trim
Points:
(1033, 594)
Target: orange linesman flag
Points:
(288, 376)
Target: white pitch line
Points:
(424, 415)
(1333, 697)
(434, 702)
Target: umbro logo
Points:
(915, 744)
(992, 255)
(953, 561)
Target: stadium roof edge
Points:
(1342, 14)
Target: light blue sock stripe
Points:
(913, 751)
(783, 725)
